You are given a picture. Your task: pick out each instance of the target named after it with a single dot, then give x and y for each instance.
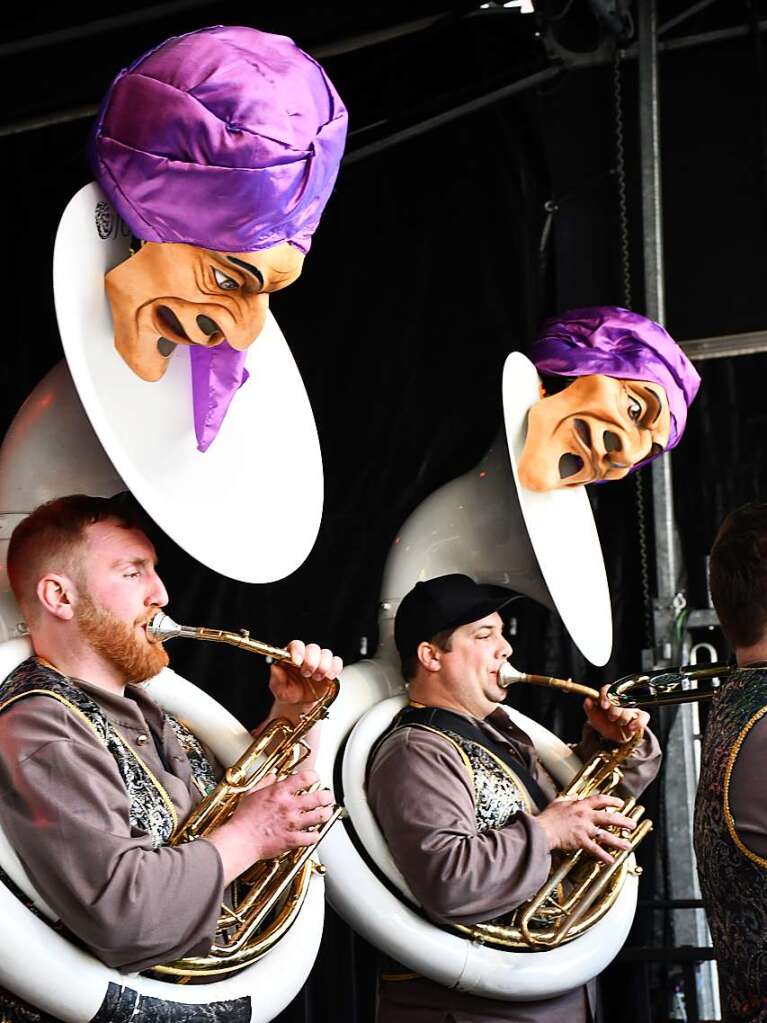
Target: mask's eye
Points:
(225, 282)
(634, 409)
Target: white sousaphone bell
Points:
(544, 545)
(92, 426)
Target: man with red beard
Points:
(94, 776)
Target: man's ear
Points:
(57, 594)
(428, 655)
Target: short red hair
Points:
(48, 539)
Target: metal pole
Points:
(649, 131)
(681, 769)
(666, 561)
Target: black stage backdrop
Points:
(434, 259)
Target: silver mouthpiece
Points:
(508, 674)
(161, 627)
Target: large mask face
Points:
(169, 294)
(597, 428)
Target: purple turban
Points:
(225, 138)
(614, 342)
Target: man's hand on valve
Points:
(572, 824)
(274, 819)
(615, 723)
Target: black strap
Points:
(446, 720)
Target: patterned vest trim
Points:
(151, 808)
(728, 818)
(732, 876)
(202, 773)
(500, 793)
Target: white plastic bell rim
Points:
(390, 921)
(561, 528)
(485, 524)
(40, 966)
(250, 506)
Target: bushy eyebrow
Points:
(249, 267)
(658, 403)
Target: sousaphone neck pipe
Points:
(161, 627)
(508, 675)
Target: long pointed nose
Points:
(623, 451)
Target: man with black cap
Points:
(476, 818)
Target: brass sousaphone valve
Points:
(580, 889)
(269, 895)
(554, 915)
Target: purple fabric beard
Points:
(217, 374)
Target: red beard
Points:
(134, 656)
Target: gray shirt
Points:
(64, 808)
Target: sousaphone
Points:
(92, 426)
(544, 545)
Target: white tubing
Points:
(45, 969)
(40, 966)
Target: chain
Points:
(620, 170)
(623, 217)
(644, 565)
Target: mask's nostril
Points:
(611, 441)
(165, 347)
(207, 325)
(569, 465)
(171, 321)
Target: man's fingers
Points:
(615, 820)
(330, 666)
(607, 838)
(311, 662)
(597, 851)
(314, 817)
(324, 662)
(314, 661)
(310, 800)
(600, 802)
(297, 651)
(302, 780)
(304, 838)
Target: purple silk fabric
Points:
(217, 374)
(226, 138)
(614, 342)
